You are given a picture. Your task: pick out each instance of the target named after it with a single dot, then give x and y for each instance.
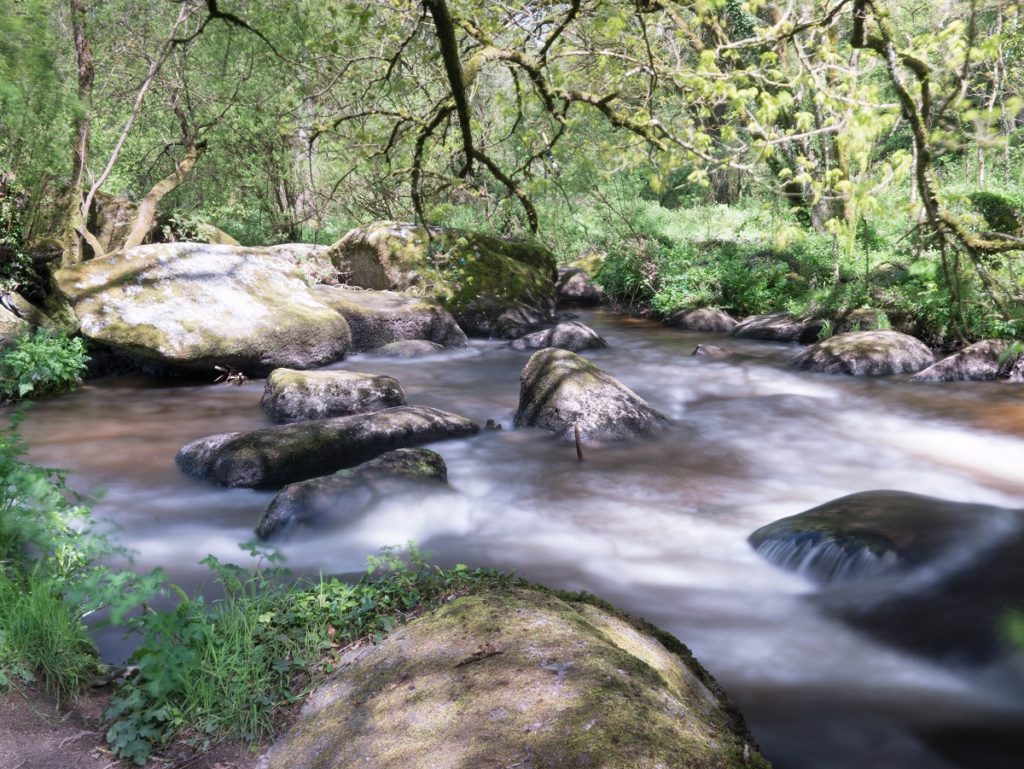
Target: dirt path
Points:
(34, 735)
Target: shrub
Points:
(40, 363)
(1003, 211)
(230, 667)
(48, 555)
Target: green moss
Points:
(512, 675)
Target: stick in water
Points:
(579, 445)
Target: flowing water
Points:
(657, 527)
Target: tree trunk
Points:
(147, 206)
(74, 218)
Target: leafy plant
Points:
(40, 363)
(229, 667)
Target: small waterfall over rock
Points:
(819, 556)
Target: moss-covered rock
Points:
(779, 327)
(979, 362)
(11, 327)
(866, 353)
(519, 677)
(339, 498)
(293, 396)
(559, 391)
(479, 278)
(312, 261)
(707, 319)
(871, 533)
(275, 456)
(568, 335)
(378, 318)
(408, 348)
(200, 306)
(575, 288)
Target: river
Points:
(657, 527)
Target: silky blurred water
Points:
(657, 527)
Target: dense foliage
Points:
(863, 135)
(41, 362)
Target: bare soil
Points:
(36, 734)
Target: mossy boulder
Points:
(11, 327)
(575, 288)
(779, 327)
(408, 348)
(312, 262)
(378, 318)
(872, 533)
(866, 353)
(339, 498)
(706, 319)
(199, 306)
(275, 456)
(559, 391)
(568, 335)
(18, 315)
(294, 396)
(519, 677)
(979, 362)
(481, 279)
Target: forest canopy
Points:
(865, 132)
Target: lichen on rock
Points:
(347, 494)
(561, 391)
(866, 353)
(519, 676)
(477, 277)
(292, 396)
(201, 306)
(275, 456)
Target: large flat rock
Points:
(275, 456)
(199, 306)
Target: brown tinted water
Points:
(658, 527)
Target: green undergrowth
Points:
(753, 260)
(39, 363)
(232, 667)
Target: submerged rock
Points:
(779, 327)
(709, 351)
(200, 306)
(702, 319)
(292, 396)
(866, 353)
(486, 282)
(519, 677)
(560, 390)
(408, 348)
(377, 318)
(568, 335)
(275, 456)
(981, 361)
(348, 493)
(870, 534)
(575, 288)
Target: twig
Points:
(579, 444)
(75, 738)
